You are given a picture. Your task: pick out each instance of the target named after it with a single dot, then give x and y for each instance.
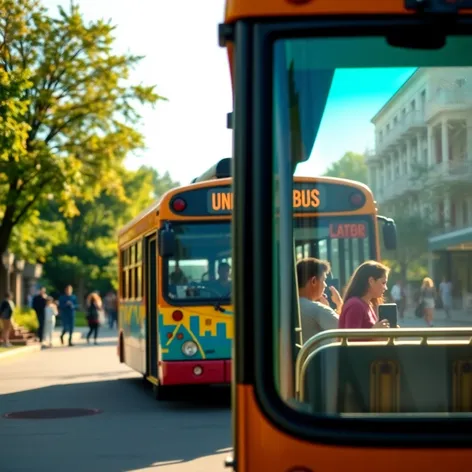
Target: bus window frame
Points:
(253, 56)
(165, 271)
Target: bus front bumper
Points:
(195, 372)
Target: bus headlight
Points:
(189, 348)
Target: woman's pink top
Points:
(357, 314)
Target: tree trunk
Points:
(5, 235)
(81, 293)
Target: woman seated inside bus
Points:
(364, 293)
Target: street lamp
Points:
(8, 258)
(20, 265)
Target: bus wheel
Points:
(121, 349)
(163, 393)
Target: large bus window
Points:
(189, 278)
(406, 116)
(320, 235)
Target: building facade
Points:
(422, 166)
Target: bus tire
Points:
(121, 348)
(163, 393)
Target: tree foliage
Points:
(67, 118)
(88, 257)
(350, 166)
(409, 260)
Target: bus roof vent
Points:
(221, 170)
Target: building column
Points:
(419, 149)
(408, 157)
(17, 282)
(444, 145)
(431, 153)
(468, 139)
(447, 211)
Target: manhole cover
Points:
(51, 414)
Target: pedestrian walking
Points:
(50, 313)
(445, 292)
(94, 315)
(39, 305)
(67, 307)
(111, 308)
(6, 313)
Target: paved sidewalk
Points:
(132, 431)
(458, 318)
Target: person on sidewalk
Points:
(94, 313)
(445, 292)
(39, 305)
(67, 306)
(50, 313)
(6, 312)
(111, 308)
(399, 297)
(428, 300)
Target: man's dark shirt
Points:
(39, 304)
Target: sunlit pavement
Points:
(133, 432)
(457, 319)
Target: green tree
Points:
(409, 260)
(67, 117)
(88, 259)
(351, 166)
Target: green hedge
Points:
(80, 320)
(26, 317)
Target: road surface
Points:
(133, 432)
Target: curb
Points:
(17, 351)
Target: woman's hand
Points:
(382, 324)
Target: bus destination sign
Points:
(308, 197)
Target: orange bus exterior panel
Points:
(260, 446)
(240, 9)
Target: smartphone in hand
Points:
(389, 312)
(335, 283)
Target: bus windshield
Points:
(400, 121)
(200, 271)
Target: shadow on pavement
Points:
(133, 431)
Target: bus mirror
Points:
(166, 243)
(390, 235)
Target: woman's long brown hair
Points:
(95, 297)
(358, 284)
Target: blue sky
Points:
(188, 134)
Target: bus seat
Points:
(379, 378)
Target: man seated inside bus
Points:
(316, 314)
(223, 283)
(177, 277)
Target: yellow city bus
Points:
(308, 76)
(178, 330)
(175, 318)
